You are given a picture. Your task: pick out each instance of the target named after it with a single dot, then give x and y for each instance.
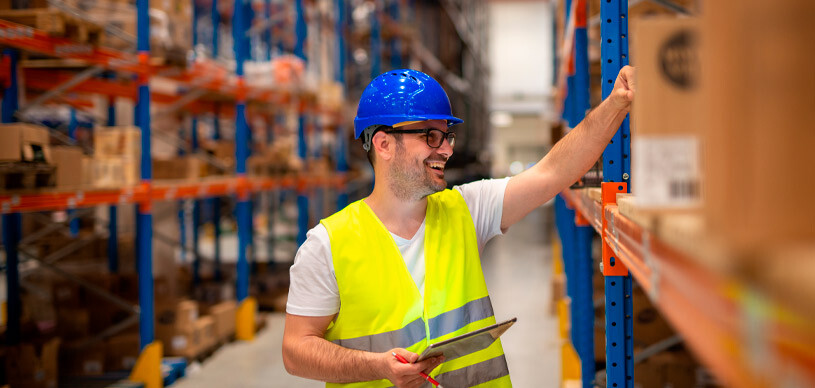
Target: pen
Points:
(424, 375)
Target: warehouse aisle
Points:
(517, 267)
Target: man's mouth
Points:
(436, 165)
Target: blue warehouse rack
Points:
(575, 231)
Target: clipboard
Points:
(467, 343)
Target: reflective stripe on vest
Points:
(403, 338)
(380, 306)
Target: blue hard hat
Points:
(402, 95)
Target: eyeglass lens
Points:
(435, 137)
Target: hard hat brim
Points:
(363, 123)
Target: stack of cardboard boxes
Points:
(25, 157)
(116, 161)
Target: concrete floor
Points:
(518, 270)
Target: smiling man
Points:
(400, 269)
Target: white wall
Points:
(521, 60)
(521, 51)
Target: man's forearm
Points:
(574, 155)
(316, 358)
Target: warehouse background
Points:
(162, 193)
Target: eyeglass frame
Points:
(450, 136)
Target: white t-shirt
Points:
(314, 291)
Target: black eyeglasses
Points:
(433, 136)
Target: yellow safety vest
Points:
(381, 308)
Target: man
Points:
(400, 269)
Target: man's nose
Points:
(445, 149)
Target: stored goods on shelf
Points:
(33, 365)
(181, 167)
(68, 161)
(77, 360)
(122, 352)
(665, 143)
(223, 315)
(24, 142)
(124, 141)
(759, 89)
(113, 172)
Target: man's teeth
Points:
(436, 165)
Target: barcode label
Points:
(665, 171)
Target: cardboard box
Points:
(115, 172)
(24, 142)
(73, 323)
(179, 315)
(88, 361)
(122, 352)
(68, 160)
(205, 333)
(122, 141)
(224, 315)
(759, 88)
(665, 160)
(650, 326)
(30, 365)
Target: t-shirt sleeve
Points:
(485, 199)
(313, 290)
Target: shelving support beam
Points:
(113, 219)
(144, 216)
(241, 153)
(342, 136)
(302, 149)
(12, 223)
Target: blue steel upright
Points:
(342, 135)
(241, 153)
(302, 197)
(12, 223)
(576, 239)
(144, 233)
(113, 219)
(73, 125)
(395, 44)
(376, 41)
(616, 168)
(196, 213)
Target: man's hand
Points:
(624, 88)
(407, 375)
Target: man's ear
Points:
(383, 145)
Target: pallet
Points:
(24, 175)
(56, 23)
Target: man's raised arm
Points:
(572, 156)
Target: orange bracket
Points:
(579, 220)
(612, 266)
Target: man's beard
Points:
(409, 181)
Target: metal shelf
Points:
(747, 340)
(63, 199)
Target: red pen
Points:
(424, 375)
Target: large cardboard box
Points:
(759, 89)
(205, 332)
(665, 160)
(117, 141)
(115, 172)
(179, 315)
(224, 315)
(85, 361)
(26, 142)
(73, 323)
(68, 160)
(30, 365)
(122, 352)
